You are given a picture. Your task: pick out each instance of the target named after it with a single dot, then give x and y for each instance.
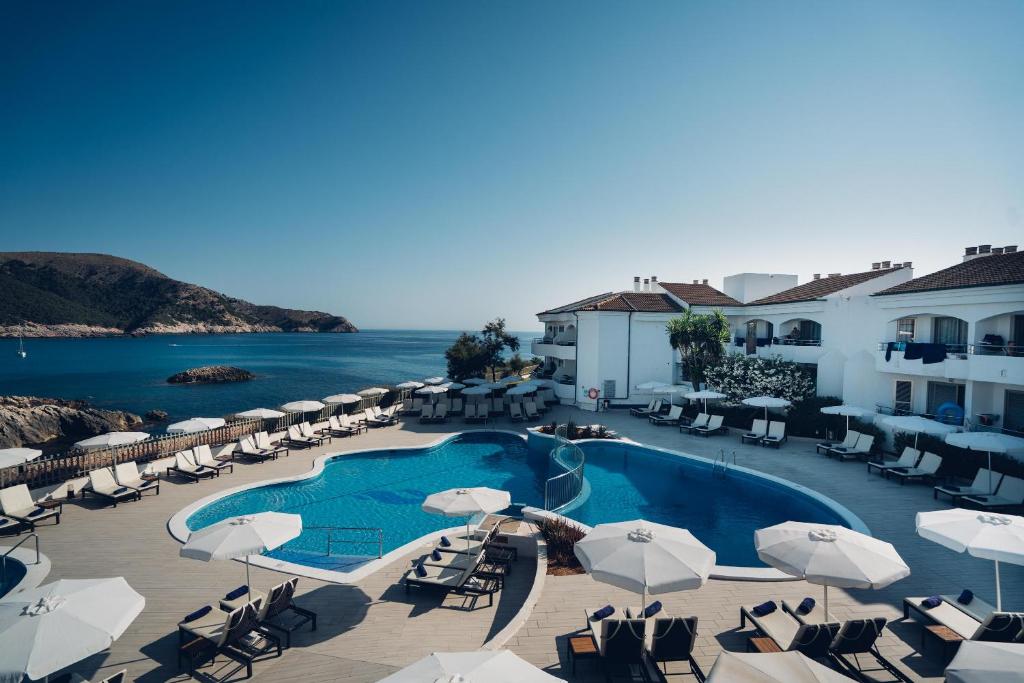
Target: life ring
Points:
(593, 393)
(950, 413)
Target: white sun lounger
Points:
(713, 426)
(849, 441)
(700, 421)
(908, 459)
(103, 485)
(758, 431)
(926, 469)
(16, 502)
(979, 487)
(203, 456)
(184, 466)
(862, 448)
(1009, 494)
(776, 434)
(127, 474)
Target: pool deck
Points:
(372, 628)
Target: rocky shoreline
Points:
(30, 420)
(76, 331)
(211, 374)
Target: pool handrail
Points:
(3, 558)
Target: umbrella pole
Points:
(826, 602)
(248, 584)
(999, 595)
(467, 533)
(990, 491)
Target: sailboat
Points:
(21, 343)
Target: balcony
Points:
(974, 362)
(548, 348)
(796, 350)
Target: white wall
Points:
(747, 287)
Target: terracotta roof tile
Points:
(983, 271)
(699, 294)
(638, 302)
(816, 289)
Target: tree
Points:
(516, 363)
(466, 358)
(495, 341)
(699, 338)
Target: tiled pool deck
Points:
(372, 628)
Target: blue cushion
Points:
(933, 601)
(965, 597)
(421, 571)
(201, 612)
(36, 512)
(764, 608)
(652, 609)
(119, 490)
(436, 555)
(805, 606)
(445, 543)
(237, 593)
(603, 613)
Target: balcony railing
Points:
(778, 341)
(551, 340)
(1009, 349)
(901, 346)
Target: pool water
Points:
(12, 574)
(626, 481)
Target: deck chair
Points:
(857, 638)
(623, 644)
(671, 639)
(1009, 494)
(469, 414)
(540, 400)
(103, 485)
(530, 408)
(713, 426)
(497, 405)
(515, 411)
(417, 405)
(8, 525)
(675, 414)
(456, 406)
(349, 422)
(338, 430)
(700, 421)
(294, 437)
(203, 456)
(275, 605)
(811, 640)
(127, 474)
(758, 431)
(427, 413)
(441, 412)
(776, 434)
(644, 412)
(997, 627)
(247, 448)
(978, 487)
(862, 449)
(263, 442)
(446, 580)
(907, 459)
(849, 441)
(228, 634)
(926, 469)
(406, 408)
(185, 466)
(306, 430)
(16, 502)
(815, 615)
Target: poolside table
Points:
(582, 647)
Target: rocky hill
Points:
(31, 420)
(53, 294)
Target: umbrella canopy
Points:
(454, 386)
(999, 538)
(335, 399)
(917, 425)
(550, 383)
(990, 442)
(9, 457)
(262, 413)
(479, 666)
(303, 406)
(433, 380)
(473, 381)
(774, 667)
(431, 389)
(411, 384)
(50, 627)
(766, 402)
(704, 395)
(830, 555)
(527, 387)
(196, 424)
(981, 662)
(111, 439)
(373, 391)
(479, 390)
(847, 411)
(650, 386)
(511, 379)
(466, 502)
(242, 536)
(644, 557)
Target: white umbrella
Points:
(527, 387)
(433, 380)
(917, 425)
(704, 395)
(431, 389)
(411, 384)
(51, 627)
(650, 386)
(983, 662)
(111, 439)
(342, 398)
(999, 538)
(644, 557)
(466, 502)
(373, 391)
(478, 666)
(991, 442)
(766, 402)
(480, 390)
(773, 667)
(545, 382)
(196, 424)
(262, 413)
(9, 457)
(454, 386)
(847, 411)
(830, 555)
(242, 536)
(511, 379)
(303, 406)
(473, 381)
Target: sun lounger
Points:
(983, 478)
(204, 456)
(758, 431)
(274, 608)
(998, 627)
(263, 442)
(306, 430)
(849, 441)
(675, 414)
(456, 406)
(714, 426)
(294, 438)
(247, 448)
(620, 642)
(417, 405)
(406, 408)
(235, 634)
(16, 502)
(349, 422)
(184, 466)
(469, 414)
(459, 544)
(441, 412)
(127, 474)
(907, 459)
(427, 413)
(811, 640)
(530, 408)
(700, 421)
(815, 615)
(865, 442)
(776, 434)
(669, 639)
(445, 580)
(1009, 494)
(926, 469)
(378, 419)
(7, 525)
(652, 408)
(540, 400)
(338, 430)
(103, 485)
(515, 411)
(859, 637)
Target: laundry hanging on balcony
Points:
(928, 353)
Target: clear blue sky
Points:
(435, 164)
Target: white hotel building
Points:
(850, 330)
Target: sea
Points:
(128, 373)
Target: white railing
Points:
(565, 487)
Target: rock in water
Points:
(211, 374)
(31, 420)
(156, 415)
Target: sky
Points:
(438, 164)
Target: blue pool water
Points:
(627, 481)
(13, 573)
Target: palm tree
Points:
(699, 338)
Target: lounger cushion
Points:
(37, 512)
(421, 571)
(237, 593)
(805, 606)
(436, 555)
(765, 608)
(201, 612)
(445, 543)
(652, 609)
(965, 597)
(603, 613)
(933, 601)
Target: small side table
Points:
(762, 644)
(948, 639)
(582, 647)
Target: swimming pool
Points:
(12, 573)
(385, 488)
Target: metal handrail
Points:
(722, 458)
(331, 540)
(562, 489)
(3, 558)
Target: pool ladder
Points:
(3, 558)
(331, 540)
(721, 463)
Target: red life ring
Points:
(593, 393)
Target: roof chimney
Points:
(1010, 249)
(876, 265)
(834, 274)
(886, 265)
(704, 281)
(908, 264)
(984, 249)
(997, 250)
(647, 285)
(655, 287)
(695, 282)
(817, 276)
(636, 283)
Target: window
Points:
(950, 331)
(1018, 336)
(943, 392)
(905, 329)
(810, 331)
(1013, 418)
(902, 405)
